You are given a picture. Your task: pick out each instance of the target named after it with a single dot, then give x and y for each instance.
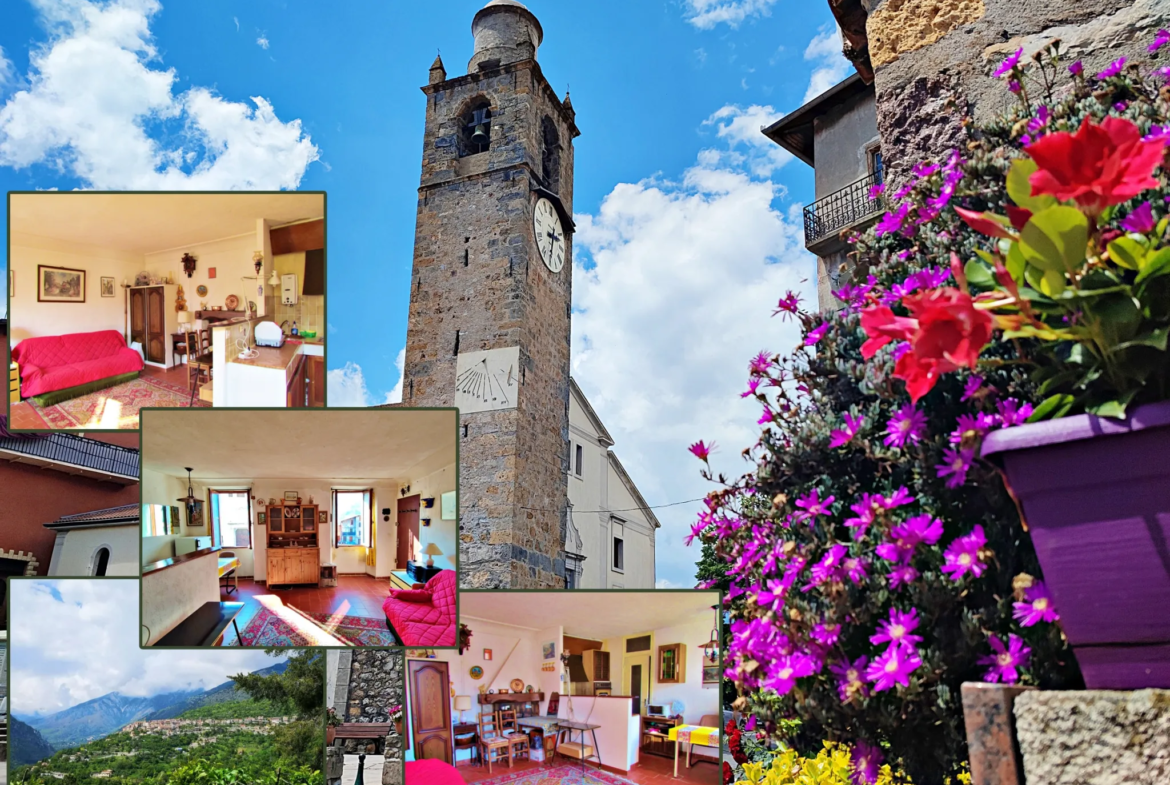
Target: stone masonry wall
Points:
(477, 271)
(933, 59)
(376, 683)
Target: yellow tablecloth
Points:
(695, 734)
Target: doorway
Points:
(407, 531)
(636, 679)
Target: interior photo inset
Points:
(582, 687)
(275, 528)
(123, 301)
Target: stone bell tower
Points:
(490, 296)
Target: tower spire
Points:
(438, 71)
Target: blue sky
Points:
(688, 218)
(75, 640)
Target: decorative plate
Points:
(201, 290)
(491, 692)
(232, 302)
(517, 685)
(476, 672)
(529, 688)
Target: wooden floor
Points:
(650, 770)
(22, 416)
(354, 595)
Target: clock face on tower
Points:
(550, 235)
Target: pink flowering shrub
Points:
(873, 562)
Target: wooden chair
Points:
(198, 363)
(179, 350)
(493, 747)
(205, 340)
(516, 736)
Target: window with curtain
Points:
(231, 519)
(351, 518)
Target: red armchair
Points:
(59, 362)
(426, 616)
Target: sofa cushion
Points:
(424, 621)
(61, 361)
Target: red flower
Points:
(728, 775)
(951, 334)
(1098, 166)
(983, 223)
(882, 326)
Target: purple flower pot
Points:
(1095, 494)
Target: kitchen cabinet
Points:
(296, 385)
(596, 663)
(315, 378)
(293, 547)
(153, 320)
(672, 664)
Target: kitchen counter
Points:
(163, 564)
(277, 359)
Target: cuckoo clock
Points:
(188, 264)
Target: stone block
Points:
(901, 26)
(1094, 737)
(991, 744)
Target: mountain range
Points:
(102, 716)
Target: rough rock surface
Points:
(1094, 737)
(375, 684)
(901, 26)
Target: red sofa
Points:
(432, 772)
(58, 362)
(426, 616)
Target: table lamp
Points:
(185, 319)
(462, 704)
(432, 551)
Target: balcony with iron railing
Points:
(826, 217)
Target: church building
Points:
(489, 325)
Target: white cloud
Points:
(98, 78)
(830, 66)
(236, 19)
(740, 128)
(76, 640)
(665, 583)
(7, 71)
(677, 297)
(706, 14)
(347, 386)
(262, 42)
(395, 394)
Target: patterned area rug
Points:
(294, 628)
(116, 407)
(561, 774)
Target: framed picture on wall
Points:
(60, 284)
(550, 650)
(107, 286)
(195, 516)
(261, 518)
(447, 506)
(322, 516)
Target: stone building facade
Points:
(362, 685)
(489, 317)
(931, 61)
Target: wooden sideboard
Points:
(293, 545)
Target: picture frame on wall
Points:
(447, 506)
(292, 496)
(550, 650)
(322, 516)
(195, 519)
(261, 518)
(60, 284)
(107, 286)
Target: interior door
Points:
(636, 678)
(430, 698)
(407, 530)
(156, 319)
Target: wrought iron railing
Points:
(842, 208)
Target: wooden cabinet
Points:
(153, 320)
(672, 664)
(293, 549)
(430, 701)
(596, 663)
(296, 385)
(315, 378)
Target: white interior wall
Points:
(442, 533)
(173, 594)
(697, 699)
(230, 257)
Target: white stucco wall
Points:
(76, 556)
(442, 533)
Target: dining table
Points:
(227, 564)
(691, 735)
(545, 724)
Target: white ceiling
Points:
(596, 615)
(145, 223)
(365, 444)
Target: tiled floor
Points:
(23, 416)
(651, 770)
(354, 595)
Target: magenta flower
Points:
(892, 221)
(812, 504)
(1005, 661)
(906, 425)
(767, 417)
(919, 529)
(850, 678)
(968, 425)
(898, 630)
(753, 387)
(893, 666)
(1077, 68)
(867, 763)
(867, 508)
(876, 191)
(1162, 73)
(1161, 38)
(1009, 62)
(789, 304)
(842, 436)
(924, 170)
(955, 465)
(786, 669)
(1037, 123)
(827, 634)
(898, 498)
(902, 575)
(701, 451)
(901, 348)
(854, 567)
(1014, 86)
(1159, 132)
(1141, 220)
(1037, 606)
(893, 552)
(932, 278)
(815, 335)
(828, 568)
(962, 555)
(972, 387)
(1012, 412)
(760, 364)
(1113, 69)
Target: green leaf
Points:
(1157, 263)
(1035, 278)
(1115, 408)
(1052, 283)
(978, 274)
(1127, 253)
(1055, 239)
(1053, 407)
(1155, 338)
(1020, 189)
(1162, 225)
(1016, 262)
